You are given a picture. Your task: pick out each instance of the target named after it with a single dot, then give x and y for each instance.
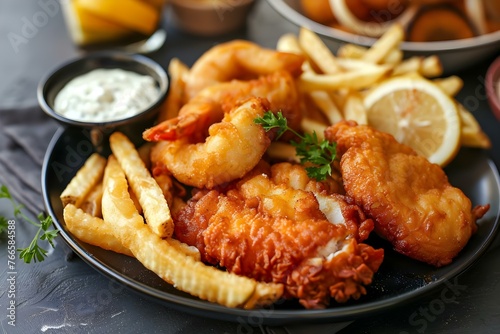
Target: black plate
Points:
(398, 281)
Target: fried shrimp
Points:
(233, 147)
(238, 60)
(210, 105)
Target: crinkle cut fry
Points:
(172, 265)
(92, 230)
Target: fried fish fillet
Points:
(265, 229)
(410, 199)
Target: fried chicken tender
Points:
(410, 199)
(265, 229)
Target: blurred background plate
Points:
(455, 55)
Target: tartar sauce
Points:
(106, 95)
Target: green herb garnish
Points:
(33, 251)
(310, 150)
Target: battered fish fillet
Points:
(411, 201)
(265, 229)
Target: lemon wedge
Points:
(87, 28)
(133, 14)
(417, 113)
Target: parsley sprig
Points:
(309, 149)
(33, 251)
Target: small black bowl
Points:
(133, 126)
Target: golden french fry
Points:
(451, 85)
(92, 230)
(310, 125)
(355, 110)
(289, 43)
(428, 67)
(318, 52)
(471, 133)
(84, 180)
(325, 103)
(351, 51)
(177, 71)
(394, 57)
(359, 79)
(358, 64)
(431, 67)
(167, 261)
(166, 185)
(282, 151)
(92, 202)
(385, 44)
(410, 65)
(144, 186)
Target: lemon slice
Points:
(417, 113)
(87, 28)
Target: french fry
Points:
(310, 125)
(166, 186)
(358, 64)
(354, 109)
(167, 261)
(394, 57)
(92, 230)
(282, 151)
(92, 202)
(385, 44)
(84, 180)
(410, 65)
(318, 52)
(177, 71)
(289, 43)
(353, 80)
(325, 103)
(451, 85)
(351, 51)
(428, 67)
(149, 194)
(471, 133)
(431, 67)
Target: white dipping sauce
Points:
(106, 95)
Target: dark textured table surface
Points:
(67, 295)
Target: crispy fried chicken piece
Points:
(267, 230)
(410, 199)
